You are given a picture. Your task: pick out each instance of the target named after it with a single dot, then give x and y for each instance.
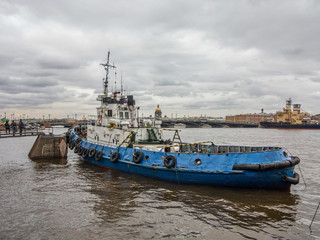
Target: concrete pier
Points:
(49, 147)
(32, 132)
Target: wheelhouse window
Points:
(109, 113)
(121, 115)
(126, 114)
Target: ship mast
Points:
(106, 66)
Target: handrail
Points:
(186, 144)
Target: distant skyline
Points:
(208, 57)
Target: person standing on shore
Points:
(7, 126)
(14, 127)
(21, 126)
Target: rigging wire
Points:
(314, 216)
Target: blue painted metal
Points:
(215, 169)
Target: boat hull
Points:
(289, 126)
(215, 169)
(243, 179)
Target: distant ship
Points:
(292, 118)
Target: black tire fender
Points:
(85, 152)
(72, 145)
(81, 149)
(76, 149)
(98, 155)
(114, 157)
(137, 157)
(92, 152)
(170, 161)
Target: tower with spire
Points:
(158, 112)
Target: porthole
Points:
(197, 161)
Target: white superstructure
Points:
(118, 119)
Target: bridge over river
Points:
(205, 123)
(169, 123)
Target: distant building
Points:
(158, 112)
(254, 118)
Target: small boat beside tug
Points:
(119, 139)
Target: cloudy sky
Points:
(192, 57)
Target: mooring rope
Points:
(302, 176)
(314, 216)
(304, 181)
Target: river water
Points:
(74, 200)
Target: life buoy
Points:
(98, 155)
(170, 161)
(114, 157)
(85, 153)
(137, 157)
(92, 152)
(100, 121)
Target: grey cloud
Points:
(231, 55)
(49, 63)
(40, 73)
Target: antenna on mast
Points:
(106, 66)
(115, 80)
(121, 84)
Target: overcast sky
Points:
(192, 57)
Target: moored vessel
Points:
(119, 139)
(292, 117)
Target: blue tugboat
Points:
(119, 139)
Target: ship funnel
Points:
(296, 108)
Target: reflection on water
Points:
(60, 199)
(121, 196)
(45, 162)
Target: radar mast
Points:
(106, 66)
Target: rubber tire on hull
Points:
(92, 152)
(81, 149)
(114, 157)
(137, 157)
(76, 149)
(170, 161)
(72, 145)
(85, 153)
(98, 155)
